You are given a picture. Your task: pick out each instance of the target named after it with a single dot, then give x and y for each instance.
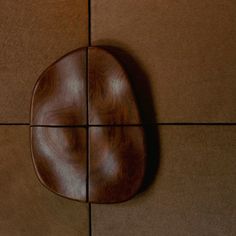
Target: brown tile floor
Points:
(194, 192)
(187, 52)
(27, 208)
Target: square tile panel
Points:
(184, 51)
(193, 193)
(27, 208)
(33, 34)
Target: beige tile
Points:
(194, 191)
(27, 208)
(33, 34)
(186, 50)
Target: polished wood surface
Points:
(59, 97)
(117, 163)
(59, 157)
(85, 88)
(111, 99)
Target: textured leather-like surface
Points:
(87, 88)
(27, 208)
(33, 34)
(193, 194)
(186, 50)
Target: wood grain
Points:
(117, 163)
(111, 99)
(59, 156)
(116, 155)
(59, 97)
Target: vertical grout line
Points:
(89, 23)
(87, 101)
(88, 139)
(90, 219)
(87, 131)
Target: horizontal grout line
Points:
(156, 124)
(195, 123)
(14, 124)
(99, 125)
(60, 126)
(117, 125)
(123, 125)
